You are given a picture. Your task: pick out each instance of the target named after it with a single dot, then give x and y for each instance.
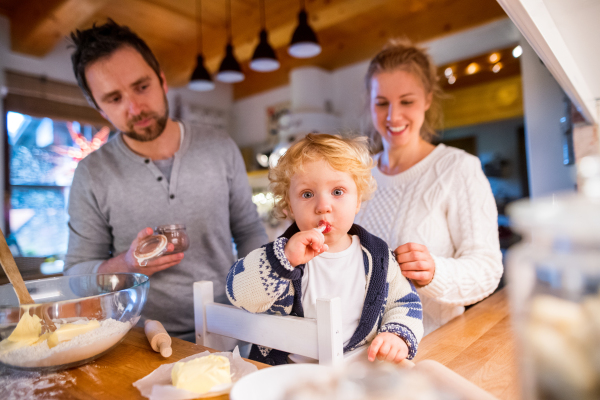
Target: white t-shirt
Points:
(340, 275)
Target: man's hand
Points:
(305, 245)
(388, 347)
(416, 263)
(126, 262)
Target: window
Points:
(42, 156)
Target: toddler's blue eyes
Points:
(307, 195)
(338, 192)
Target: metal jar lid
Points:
(150, 247)
(172, 227)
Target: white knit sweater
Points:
(445, 203)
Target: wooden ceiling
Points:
(348, 30)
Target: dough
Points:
(201, 374)
(26, 333)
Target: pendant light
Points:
(264, 58)
(200, 80)
(304, 42)
(230, 70)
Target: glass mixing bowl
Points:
(114, 300)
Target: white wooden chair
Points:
(320, 339)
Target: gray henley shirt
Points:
(116, 193)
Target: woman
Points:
(433, 203)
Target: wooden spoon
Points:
(14, 276)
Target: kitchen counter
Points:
(478, 345)
(109, 377)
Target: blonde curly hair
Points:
(343, 154)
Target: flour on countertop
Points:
(21, 385)
(108, 327)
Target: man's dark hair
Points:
(101, 41)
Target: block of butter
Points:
(201, 374)
(26, 333)
(69, 331)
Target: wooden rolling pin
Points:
(158, 337)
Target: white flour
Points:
(79, 348)
(21, 385)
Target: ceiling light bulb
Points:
(304, 50)
(451, 79)
(448, 72)
(517, 51)
(264, 65)
(201, 86)
(494, 57)
(472, 68)
(230, 76)
(497, 67)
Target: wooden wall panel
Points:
(492, 101)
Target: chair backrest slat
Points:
(291, 334)
(219, 326)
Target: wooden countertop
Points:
(107, 378)
(478, 345)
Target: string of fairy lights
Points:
(493, 62)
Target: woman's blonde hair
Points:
(402, 54)
(349, 155)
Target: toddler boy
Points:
(320, 183)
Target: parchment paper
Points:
(158, 386)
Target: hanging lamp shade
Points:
(264, 58)
(304, 42)
(201, 80)
(230, 70)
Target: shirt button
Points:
(159, 178)
(172, 196)
(147, 161)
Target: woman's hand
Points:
(416, 263)
(388, 347)
(305, 245)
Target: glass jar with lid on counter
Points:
(554, 286)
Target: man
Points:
(155, 171)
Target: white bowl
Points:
(272, 383)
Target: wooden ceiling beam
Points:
(37, 26)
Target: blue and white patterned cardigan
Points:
(265, 282)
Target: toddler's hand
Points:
(304, 246)
(388, 347)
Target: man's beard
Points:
(150, 132)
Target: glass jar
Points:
(554, 287)
(175, 235)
